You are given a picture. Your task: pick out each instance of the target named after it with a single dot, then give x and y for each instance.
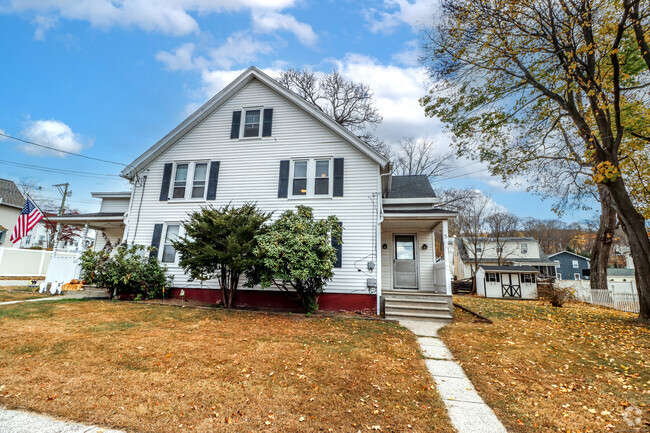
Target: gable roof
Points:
(250, 74)
(10, 194)
(411, 186)
(567, 252)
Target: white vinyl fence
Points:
(20, 263)
(620, 295)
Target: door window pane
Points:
(252, 123)
(198, 185)
(180, 181)
(404, 248)
(299, 178)
(322, 177)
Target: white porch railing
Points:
(620, 295)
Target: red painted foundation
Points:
(274, 300)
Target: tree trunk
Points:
(604, 239)
(634, 226)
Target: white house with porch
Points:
(256, 141)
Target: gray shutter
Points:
(283, 183)
(236, 121)
(157, 234)
(213, 177)
(338, 177)
(339, 248)
(167, 176)
(268, 122)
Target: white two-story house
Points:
(257, 141)
(505, 251)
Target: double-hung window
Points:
(168, 254)
(199, 178)
(189, 180)
(311, 177)
(252, 120)
(576, 265)
(524, 248)
(180, 180)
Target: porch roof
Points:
(96, 220)
(423, 219)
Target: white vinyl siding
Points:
(249, 171)
(114, 204)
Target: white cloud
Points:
(43, 24)
(181, 59)
(2, 131)
(409, 55)
(166, 16)
(239, 48)
(52, 133)
(416, 14)
(270, 22)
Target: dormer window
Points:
(524, 248)
(253, 122)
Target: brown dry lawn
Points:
(542, 369)
(19, 294)
(146, 368)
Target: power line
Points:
(62, 151)
(459, 175)
(58, 171)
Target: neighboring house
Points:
(570, 266)
(514, 251)
(11, 203)
(621, 275)
(627, 255)
(257, 141)
(39, 235)
(508, 282)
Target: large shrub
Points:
(555, 294)
(219, 243)
(126, 270)
(296, 255)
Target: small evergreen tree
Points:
(219, 243)
(297, 256)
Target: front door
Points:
(405, 268)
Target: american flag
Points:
(28, 218)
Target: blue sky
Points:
(109, 78)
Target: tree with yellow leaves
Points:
(513, 77)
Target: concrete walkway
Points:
(467, 411)
(15, 421)
(51, 298)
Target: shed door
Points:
(405, 263)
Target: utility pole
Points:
(63, 189)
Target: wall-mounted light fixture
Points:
(424, 246)
(384, 247)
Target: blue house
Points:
(570, 266)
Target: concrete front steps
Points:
(417, 305)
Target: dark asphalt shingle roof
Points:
(509, 268)
(620, 272)
(10, 194)
(92, 215)
(415, 186)
(431, 210)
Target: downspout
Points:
(380, 220)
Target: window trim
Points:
(163, 237)
(576, 264)
(189, 182)
(528, 278)
(242, 125)
(488, 278)
(559, 275)
(311, 178)
(523, 247)
(576, 274)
